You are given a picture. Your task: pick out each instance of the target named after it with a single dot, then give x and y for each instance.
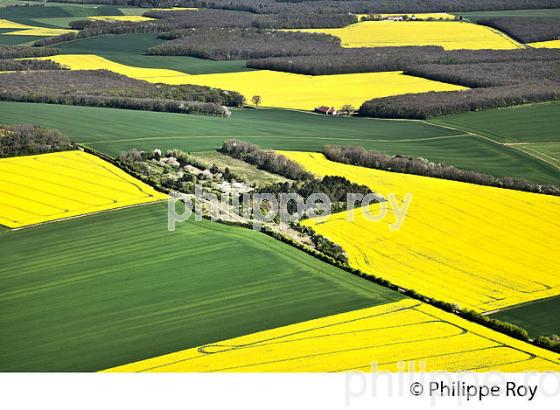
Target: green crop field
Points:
(532, 129)
(118, 287)
(113, 131)
(539, 318)
(130, 49)
(478, 15)
(14, 40)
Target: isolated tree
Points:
(347, 109)
(256, 99)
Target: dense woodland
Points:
(434, 104)
(339, 6)
(359, 156)
(30, 140)
(239, 43)
(526, 29)
(107, 89)
(361, 60)
(491, 74)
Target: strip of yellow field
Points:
(451, 35)
(481, 247)
(418, 16)
(26, 30)
(402, 336)
(41, 188)
(546, 44)
(277, 89)
(121, 18)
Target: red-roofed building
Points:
(326, 110)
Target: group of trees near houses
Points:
(526, 29)
(242, 43)
(31, 140)
(264, 159)
(107, 89)
(359, 156)
(339, 6)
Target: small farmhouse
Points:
(326, 110)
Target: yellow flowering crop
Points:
(481, 247)
(121, 18)
(26, 30)
(405, 335)
(419, 16)
(546, 44)
(451, 35)
(277, 89)
(41, 188)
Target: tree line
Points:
(340, 6)
(106, 89)
(31, 140)
(359, 156)
(241, 43)
(264, 159)
(26, 52)
(361, 60)
(27, 65)
(526, 29)
(434, 104)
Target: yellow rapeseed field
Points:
(41, 188)
(121, 18)
(546, 44)
(277, 89)
(26, 30)
(400, 336)
(451, 35)
(481, 247)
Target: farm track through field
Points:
(391, 337)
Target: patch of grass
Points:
(540, 317)
(113, 131)
(78, 305)
(13, 40)
(241, 168)
(130, 49)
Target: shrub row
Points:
(26, 52)
(26, 65)
(359, 156)
(263, 159)
(236, 43)
(30, 140)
